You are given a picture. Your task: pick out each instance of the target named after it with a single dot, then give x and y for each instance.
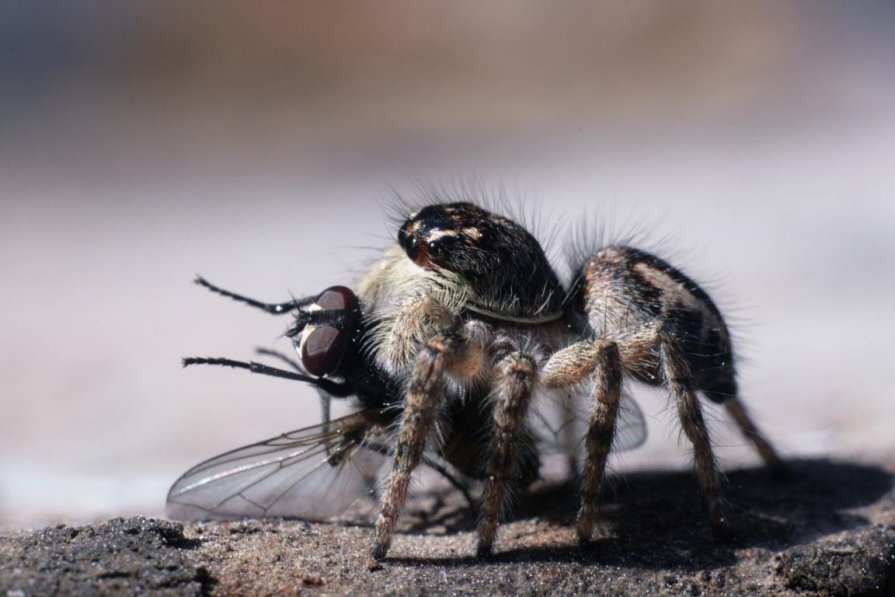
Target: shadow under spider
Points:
(656, 519)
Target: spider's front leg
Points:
(446, 352)
(573, 365)
(514, 377)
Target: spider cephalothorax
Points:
(461, 327)
(496, 262)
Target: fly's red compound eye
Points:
(336, 298)
(322, 350)
(324, 341)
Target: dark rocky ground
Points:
(827, 529)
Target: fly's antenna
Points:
(333, 388)
(272, 308)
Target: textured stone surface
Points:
(828, 529)
(119, 556)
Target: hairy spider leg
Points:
(445, 351)
(680, 383)
(750, 430)
(514, 378)
(573, 365)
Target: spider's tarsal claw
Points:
(721, 530)
(779, 471)
(484, 550)
(585, 532)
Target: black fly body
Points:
(448, 344)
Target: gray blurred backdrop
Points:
(260, 144)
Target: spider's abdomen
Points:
(623, 292)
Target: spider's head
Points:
(501, 264)
(456, 236)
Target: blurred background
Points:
(262, 144)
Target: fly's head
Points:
(324, 331)
(492, 261)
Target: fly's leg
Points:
(325, 399)
(269, 352)
(443, 353)
(677, 376)
(573, 365)
(514, 377)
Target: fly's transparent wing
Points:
(630, 427)
(561, 420)
(313, 473)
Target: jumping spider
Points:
(450, 338)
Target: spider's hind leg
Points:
(680, 383)
(750, 431)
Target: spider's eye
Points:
(408, 243)
(434, 248)
(321, 350)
